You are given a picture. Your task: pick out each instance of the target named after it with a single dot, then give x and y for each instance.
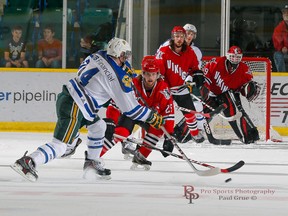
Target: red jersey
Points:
(176, 66)
(220, 80)
(159, 99)
(280, 36)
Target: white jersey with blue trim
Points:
(101, 79)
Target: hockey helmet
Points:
(176, 30)
(234, 54)
(150, 64)
(190, 27)
(118, 47)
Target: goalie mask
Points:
(118, 47)
(234, 55)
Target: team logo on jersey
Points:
(166, 93)
(127, 81)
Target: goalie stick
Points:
(231, 118)
(233, 168)
(209, 115)
(181, 88)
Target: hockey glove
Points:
(251, 91)
(198, 78)
(167, 146)
(155, 120)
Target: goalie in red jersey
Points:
(177, 60)
(151, 91)
(226, 78)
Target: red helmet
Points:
(178, 29)
(150, 64)
(234, 54)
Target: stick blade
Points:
(210, 172)
(234, 167)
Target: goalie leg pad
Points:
(249, 131)
(227, 98)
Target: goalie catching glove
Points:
(155, 120)
(251, 90)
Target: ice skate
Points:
(128, 150)
(95, 167)
(71, 149)
(26, 168)
(140, 162)
(199, 138)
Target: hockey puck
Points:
(228, 180)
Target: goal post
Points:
(258, 110)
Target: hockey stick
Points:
(210, 172)
(209, 115)
(222, 170)
(212, 139)
(231, 118)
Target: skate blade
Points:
(90, 174)
(17, 168)
(136, 166)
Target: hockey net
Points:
(258, 110)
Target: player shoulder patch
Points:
(126, 80)
(166, 93)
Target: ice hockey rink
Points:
(260, 187)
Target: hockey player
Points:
(227, 77)
(153, 92)
(177, 60)
(191, 34)
(101, 76)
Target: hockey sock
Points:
(149, 140)
(48, 152)
(191, 123)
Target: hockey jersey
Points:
(101, 79)
(220, 80)
(158, 99)
(176, 66)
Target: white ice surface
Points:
(61, 190)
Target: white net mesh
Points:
(257, 109)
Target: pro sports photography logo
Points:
(225, 194)
(189, 193)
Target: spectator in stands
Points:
(14, 54)
(49, 50)
(89, 45)
(280, 41)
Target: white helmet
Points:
(118, 47)
(190, 27)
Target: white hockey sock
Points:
(48, 152)
(95, 146)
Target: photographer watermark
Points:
(239, 194)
